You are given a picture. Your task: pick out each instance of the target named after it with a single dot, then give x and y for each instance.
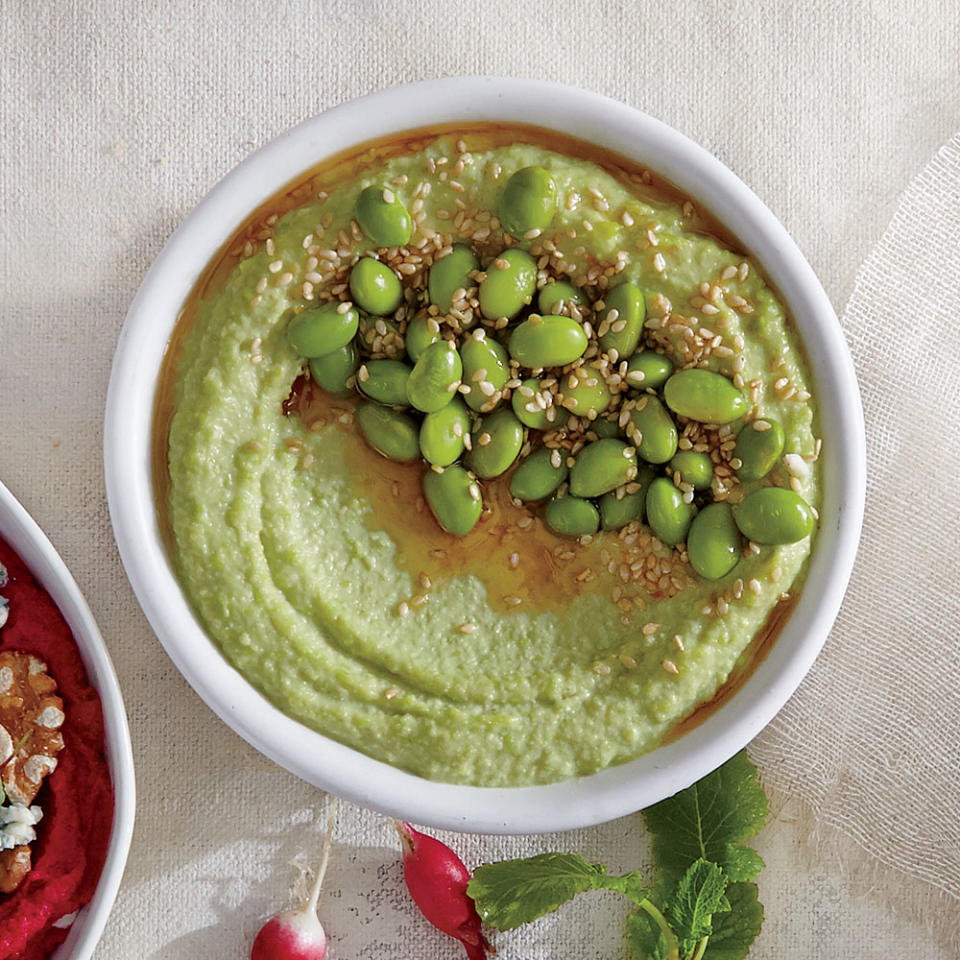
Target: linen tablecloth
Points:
(116, 117)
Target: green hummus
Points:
(279, 552)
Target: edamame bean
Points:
(603, 428)
(601, 466)
(617, 512)
(556, 293)
(375, 287)
(658, 432)
(542, 415)
(334, 369)
(486, 370)
(450, 274)
(694, 468)
(585, 393)
(384, 381)
(648, 369)
(321, 330)
(496, 444)
(421, 332)
(572, 517)
(626, 325)
(704, 396)
(529, 202)
(547, 341)
(667, 514)
(391, 433)
(774, 515)
(759, 447)
(442, 433)
(509, 286)
(435, 377)
(538, 476)
(713, 542)
(383, 217)
(454, 499)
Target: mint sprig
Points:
(701, 908)
(710, 820)
(513, 892)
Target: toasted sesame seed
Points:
(603, 669)
(669, 666)
(467, 628)
(403, 608)
(755, 586)
(649, 629)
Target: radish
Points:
(437, 880)
(298, 934)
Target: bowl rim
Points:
(34, 548)
(583, 801)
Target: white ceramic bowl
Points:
(612, 792)
(28, 541)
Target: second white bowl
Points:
(29, 542)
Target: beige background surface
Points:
(115, 122)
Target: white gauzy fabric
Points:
(117, 116)
(872, 739)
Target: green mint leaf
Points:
(645, 938)
(708, 820)
(741, 863)
(698, 896)
(734, 931)
(630, 885)
(514, 892)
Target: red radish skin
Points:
(294, 935)
(437, 880)
(298, 934)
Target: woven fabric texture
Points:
(117, 116)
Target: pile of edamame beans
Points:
(473, 403)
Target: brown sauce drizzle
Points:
(523, 566)
(547, 571)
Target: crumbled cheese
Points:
(16, 825)
(4, 603)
